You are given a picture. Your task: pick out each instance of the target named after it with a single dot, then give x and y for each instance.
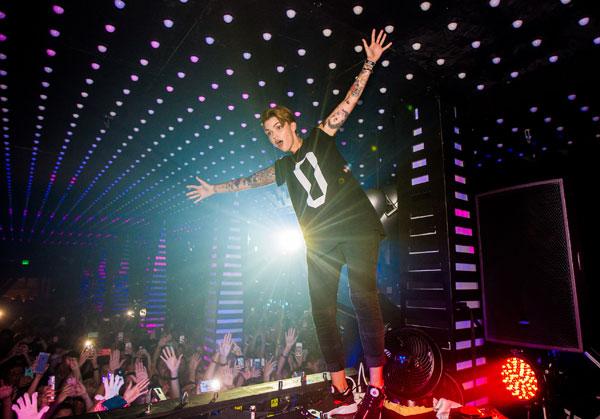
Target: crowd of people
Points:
(58, 371)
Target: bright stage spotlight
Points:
(289, 240)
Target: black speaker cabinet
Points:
(527, 273)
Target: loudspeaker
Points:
(527, 274)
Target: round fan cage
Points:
(414, 363)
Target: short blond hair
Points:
(282, 114)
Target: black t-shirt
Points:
(329, 203)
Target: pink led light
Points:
(194, 59)
(201, 98)
(297, 114)
(109, 28)
(155, 44)
(102, 48)
(462, 213)
(54, 33)
(214, 86)
(57, 9)
(463, 231)
(245, 96)
(144, 62)
(95, 66)
(169, 89)
(50, 52)
(2, 15)
(134, 77)
(272, 105)
(3, 37)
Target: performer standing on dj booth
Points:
(339, 225)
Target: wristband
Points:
(174, 378)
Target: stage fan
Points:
(414, 363)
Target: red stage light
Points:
(519, 378)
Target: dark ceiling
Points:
(108, 112)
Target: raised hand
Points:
(376, 48)
(199, 192)
(193, 364)
(141, 373)
(27, 408)
(134, 391)
(115, 362)
(112, 385)
(84, 355)
(225, 347)
(171, 360)
(270, 366)
(227, 376)
(290, 339)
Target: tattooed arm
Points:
(339, 115)
(255, 180)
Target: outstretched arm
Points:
(255, 180)
(339, 115)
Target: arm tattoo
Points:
(255, 180)
(359, 84)
(337, 119)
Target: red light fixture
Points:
(519, 378)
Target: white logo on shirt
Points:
(312, 159)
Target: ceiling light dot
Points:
(54, 33)
(102, 48)
(462, 75)
(409, 76)
(301, 52)
(383, 90)
(496, 60)
(310, 80)
(227, 18)
(332, 66)
(517, 24)
(209, 40)
(327, 33)
(440, 61)
(494, 3)
(584, 21)
(533, 109)
(476, 44)
(109, 28)
(267, 36)
(262, 83)
(194, 59)
(572, 97)
(385, 63)
(565, 1)
(358, 48)
(119, 4)
(480, 87)
(57, 9)
(180, 74)
(514, 74)
(290, 13)
(168, 23)
(154, 44)
(389, 29)
(597, 40)
(95, 66)
(536, 42)
(143, 62)
(280, 69)
(229, 72)
(425, 6)
(357, 10)
(416, 46)
(553, 58)
(452, 26)
(246, 55)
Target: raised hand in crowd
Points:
(27, 407)
(269, 369)
(193, 365)
(112, 384)
(225, 347)
(172, 361)
(134, 391)
(115, 362)
(141, 373)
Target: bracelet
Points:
(175, 378)
(370, 63)
(222, 364)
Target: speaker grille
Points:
(528, 283)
